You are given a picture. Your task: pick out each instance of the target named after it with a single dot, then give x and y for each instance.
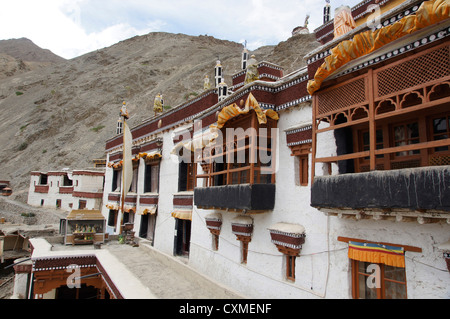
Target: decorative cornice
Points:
(435, 36)
(388, 18)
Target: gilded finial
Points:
(124, 111)
(158, 105)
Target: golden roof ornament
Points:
(343, 21)
(124, 111)
(158, 104)
(252, 70)
(206, 83)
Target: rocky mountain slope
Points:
(60, 114)
(18, 56)
(25, 50)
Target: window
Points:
(441, 131)
(112, 218)
(290, 267)
(134, 181)
(128, 217)
(406, 134)
(244, 155)
(363, 144)
(303, 168)
(364, 140)
(58, 203)
(186, 176)
(116, 180)
(183, 237)
(82, 204)
(378, 281)
(402, 138)
(119, 129)
(43, 180)
(151, 183)
(67, 181)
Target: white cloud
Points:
(73, 27)
(53, 25)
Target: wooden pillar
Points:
(253, 149)
(314, 139)
(372, 125)
(274, 149)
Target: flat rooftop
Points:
(143, 271)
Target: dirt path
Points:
(6, 287)
(11, 210)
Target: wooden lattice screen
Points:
(412, 72)
(417, 82)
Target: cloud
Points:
(56, 25)
(73, 27)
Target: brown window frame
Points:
(303, 170)
(82, 203)
(151, 183)
(394, 160)
(230, 172)
(405, 140)
(290, 267)
(384, 280)
(433, 135)
(187, 171)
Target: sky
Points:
(70, 28)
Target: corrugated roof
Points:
(85, 215)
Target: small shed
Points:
(5, 188)
(84, 227)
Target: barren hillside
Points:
(25, 50)
(61, 115)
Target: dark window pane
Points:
(364, 291)
(394, 290)
(366, 139)
(395, 273)
(440, 125)
(413, 130)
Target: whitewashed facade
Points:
(66, 190)
(322, 267)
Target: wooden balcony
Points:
(423, 191)
(66, 189)
(43, 189)
(413, 88)
(251, 198)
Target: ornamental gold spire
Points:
(252, 71)
(158, 105)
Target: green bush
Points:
(23, 146)
(28, 214)
(98, 128)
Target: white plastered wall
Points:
(264, 274)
